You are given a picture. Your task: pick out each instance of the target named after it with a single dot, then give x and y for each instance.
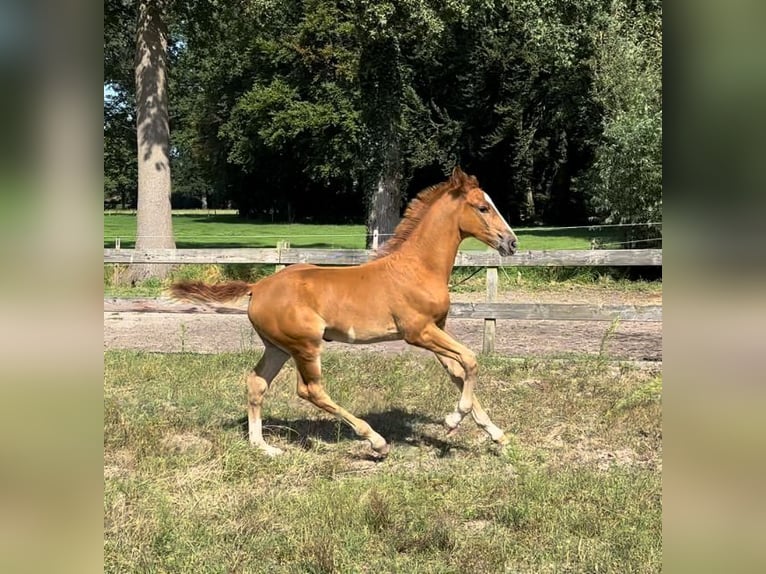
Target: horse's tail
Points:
(200, 292)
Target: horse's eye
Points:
(484, 208)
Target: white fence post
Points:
(281, 245)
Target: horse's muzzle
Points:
(508, 245)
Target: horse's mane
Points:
(417, 208)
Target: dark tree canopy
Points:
(300, 110)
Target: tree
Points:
(385, 83)
(119, 155)
(154, 216)
(625, 180)
(381, 93)
(270, 108)
(120, 166)
(528, 118)
(339, 109)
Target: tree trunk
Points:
(528, 215)
(381, 84)
(385, 199)
(154, 220)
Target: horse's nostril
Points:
(514, 244)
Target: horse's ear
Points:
(458, 176)
(461, 180)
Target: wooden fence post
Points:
(281, 245)
(490, 324)
(116, 268)
(375, 239)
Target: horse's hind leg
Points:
(311, 389)
(258, 381)
(457, 374)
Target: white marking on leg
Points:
(494, 432)
(351, 335)
(453, 419)
(255, 432)
(482, 419)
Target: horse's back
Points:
(349, 304)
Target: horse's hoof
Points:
(382, 451)
(503, 440)
(452, 420)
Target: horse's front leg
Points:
(462, 365)
(480, 417)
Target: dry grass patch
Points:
(578, 488)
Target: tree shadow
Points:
(395, 425)
(217, 218)
(266, 243)
(230, 218)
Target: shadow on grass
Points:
(238, 219)
(395, 425)
(270, 243)
(217, 218)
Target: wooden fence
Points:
(489, 311)
(288, 256)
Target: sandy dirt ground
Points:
(636, 341)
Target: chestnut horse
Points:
(402, 293)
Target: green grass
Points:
(577, 491)
(228, 230)
(231, 231)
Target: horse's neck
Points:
(434, 242)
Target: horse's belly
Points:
(361, 336)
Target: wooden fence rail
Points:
(490, 311)
(288, 256)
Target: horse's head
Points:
(479, 217)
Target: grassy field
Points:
(577, 491)
(228, 230)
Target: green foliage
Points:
(295, 109)
(120, 167)
(625, 180)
